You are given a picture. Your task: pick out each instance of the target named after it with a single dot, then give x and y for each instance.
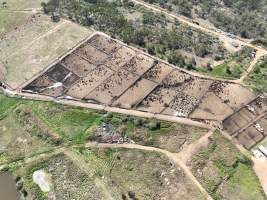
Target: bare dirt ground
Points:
(260, 167)
(193, 148)
(171, 91)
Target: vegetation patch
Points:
(6, 104)
(225, 172)
(242, 17)
(18, 142)
(161, 134)
(120, 171)
(136, 25)
(234, 66)
(257, 80)
(108, 173)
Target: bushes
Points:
(153, 31)
(257, 79)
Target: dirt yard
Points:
(105, 71)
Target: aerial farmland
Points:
(128, 100)
(100, 73)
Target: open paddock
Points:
(176, 79)
(157, 100)
(254, 134)
(182, 105)
(122, 56)
(188, 98)
(248, 125)
(104, 44)
(245, 140)
(158, 72)
(30, 48)
(54, 91)
(263, 124)
(88, 83)
(40, 83)
(211, 107)
(235, 95)
(139, 64)
(58, 73)
(77, 65)
(259, 105)
(113, 87)
(135, 94)
(197, 88)
(91, 54)
(31, 29)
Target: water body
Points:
(8, 189)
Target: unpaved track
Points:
(194, 147)
(172, 156)
(258, 56)
(260, 167)
(107, 108)
(221, 34)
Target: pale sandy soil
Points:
(260, 167)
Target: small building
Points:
(263, 150)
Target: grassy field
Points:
(70, 123)
(233, 67)
(18, 140)
(9, 21)
(77, 125)
(18, 143)
(35, 44)
(110, 174)
(20, 4)
(28, 128)
(257, 79)
(6, 104)
(224, 171)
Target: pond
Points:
(8, 189)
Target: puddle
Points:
(8, 189)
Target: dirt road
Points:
(260, 167)
(221, 34)
(194, 147)
(258, 56)
(107, 108)
(172, 156)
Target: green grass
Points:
(226, 171)
(6, 104)
(257, 80)
(233, 67)
(245, 181)
(70, 123)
